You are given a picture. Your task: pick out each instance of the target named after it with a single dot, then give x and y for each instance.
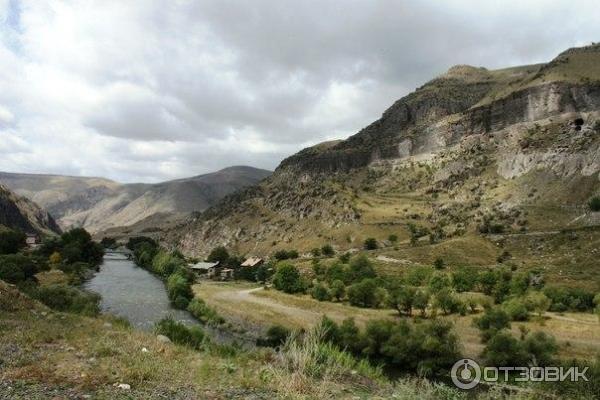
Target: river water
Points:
(133, 293)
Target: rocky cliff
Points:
(17, 212)
(467, 148)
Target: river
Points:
(133, 293)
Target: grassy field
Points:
(577, 333)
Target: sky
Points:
(152, 90)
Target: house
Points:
(253, 262)
(32, 240)
(205, 268)
(226, 274)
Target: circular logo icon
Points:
(465, 374)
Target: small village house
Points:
(253, 262)
(208, 269)
(32, 240)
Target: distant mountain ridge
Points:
(19, 213)
(98, 204)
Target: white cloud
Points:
(151, 90)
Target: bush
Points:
(594, 203)
(109, 243)
(393, 238)
(179, 333)
(439, 263)
(208, 315)
(316, 252)
(11, 241)
(418, 276)
(327, 250)
(516, 310)
(320, 292)
(337, 272)
(438, 282)
(537, 302)
(503, 350)
(275, 336)
(371, 244)
(402, 299)
(338, 289)
(567, 298)
(285, 255)
(360, 268)
(179, 290)
(446, 301)
(492, 321)
(287, 279)
(219, 254)
(362, 294)
(68, 299)
(15, 268)
(464, 279)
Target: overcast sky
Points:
(154, 90)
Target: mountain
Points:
(17, 212)
(471, 152)
(99, 204)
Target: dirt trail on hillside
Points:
(247, 296)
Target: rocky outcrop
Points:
(19, 213)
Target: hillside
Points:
(17, 212)
(472, 152)
(98, 204)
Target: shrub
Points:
(68, 299)
(360, 268)
(503, 350)
(402, 299)
(537, 302)
(337, 272)
(11, 241)
(344, 258)
(371, 244)
(15, 268)
(446, 301)
(439, 263)
(327, 250)
(218, 254)
(287, 279)
(487, 281)
(492, 321)
(208, 315)
(393, 238)
(275, 336)
(338, 289)
(438, 282)
(316, 252)
(362, 294)
(108, 242)
(179, 333)
(516, 309)
(320, 292)
(285, 255)
(567, 298)
(418, 276)
(421, 301)
(179, 290)
(594, 203)
(464, 279)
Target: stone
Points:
(124, 386)
(163, 339)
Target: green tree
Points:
(492, 321)
(287, 279)
(362, 294)
(16, 268)
(360, 268)
(338, 289)
(219, 254)
(503, 350)
(439, 281)
(402, 299)
(11, 241)
(464, 279)
(320, 292)
(421, 301)
(537, 302)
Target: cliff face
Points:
(504, 131)
(19, 213)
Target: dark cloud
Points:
(142, 90)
